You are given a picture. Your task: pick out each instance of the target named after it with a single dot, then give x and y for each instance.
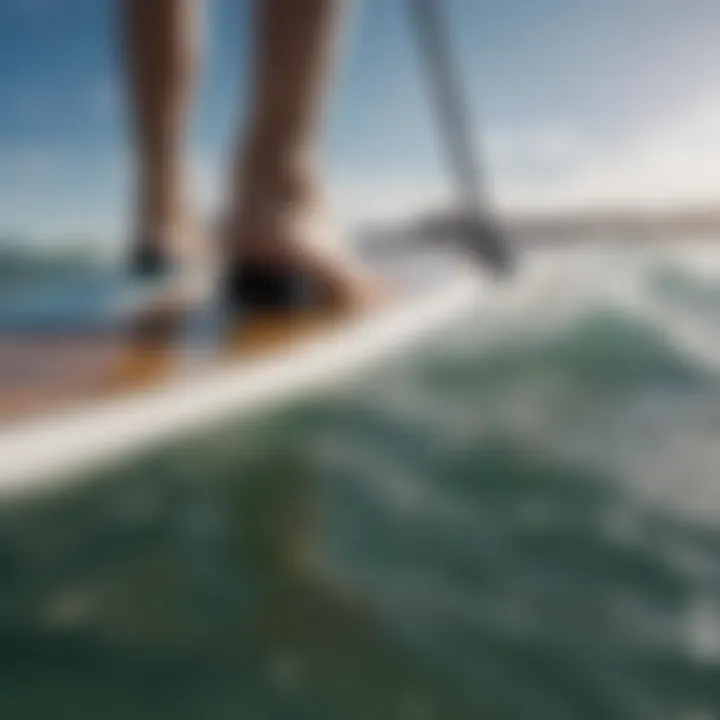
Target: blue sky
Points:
(577, 102)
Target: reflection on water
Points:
(518, 522)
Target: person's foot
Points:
(291, 256)
(154, 254)
(148, 261)
(176, 262)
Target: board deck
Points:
(42, 375)
(72, 399)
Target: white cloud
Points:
(561, 168)
(385, 199)
(668, 163)
(50, 193)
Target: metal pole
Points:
(454, 120)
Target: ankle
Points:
(279, 171)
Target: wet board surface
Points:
(81, 386)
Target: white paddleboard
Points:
(73, 402)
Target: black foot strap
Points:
(149, 263)
(256, 287)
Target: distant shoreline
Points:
(592, 224)
(671, 223)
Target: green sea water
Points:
(520, 519)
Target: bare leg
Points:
(277, 211)
(161, 43)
